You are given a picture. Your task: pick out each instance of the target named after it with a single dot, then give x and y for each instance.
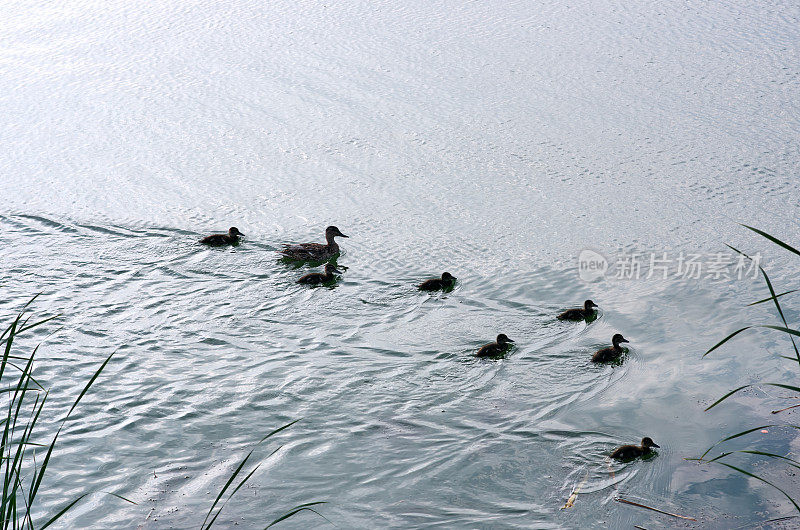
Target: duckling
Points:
(629, 452)
(579, 313)
(315, 251)
(435, 284)
(610, 354)
(218, 240)
(315, 278)
(495, 349)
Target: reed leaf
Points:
(236, 473)
(773, 239)
(740, 470)
(732, 392)
(748, 431)
(773, 297)
(790, 331)
(297, 509)
(726, 339)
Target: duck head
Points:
(588, 305)
(648, 442)
(503, 339)
(330, 268)
(447, 277)
(617, 339)
(332, 232)
(234, 232)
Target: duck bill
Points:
(337, 271)
(625, 340)
(509, 340)
(656, 445)
(342, 235)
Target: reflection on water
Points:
(494, 142)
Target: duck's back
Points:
(572, 314)
(605, 355)
(626, 451)
(216, 240)
(431, 285)
(307, 250)
(312, 278)
(490, 350)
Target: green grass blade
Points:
(227, 485)
(238, 470)
(740, 470)
(773, 239)
(737, 435)
(90, 383)
(9, 341)
(726, 339)
(781, 328)
(120, 497)
(726, 396)
(787, 387)
(62, 512)
(279, 429)
(36, 480)
(19, 316)
(792, 462)
(297, 509)
(73, 503)
(748, 431)
(773, 297)
(36, 324)
(790, 331)
(780, 311)
(718, 457)
(245, 479)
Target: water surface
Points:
(495, 142)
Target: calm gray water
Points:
(492, 141)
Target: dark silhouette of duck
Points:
(219, 240)
(610, 354)
(579, 313)
(315, 251)
(629, 452)
(316, 278)
(495, 349)
(437, 284)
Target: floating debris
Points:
(574, 495)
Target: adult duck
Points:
(315, 251)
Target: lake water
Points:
(493, 141)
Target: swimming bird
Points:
(315, 251)
(629, 452)
(315, 278)
(579, 313)
(218, 240)
(610, 354)
(435, 284)
(495, 349)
